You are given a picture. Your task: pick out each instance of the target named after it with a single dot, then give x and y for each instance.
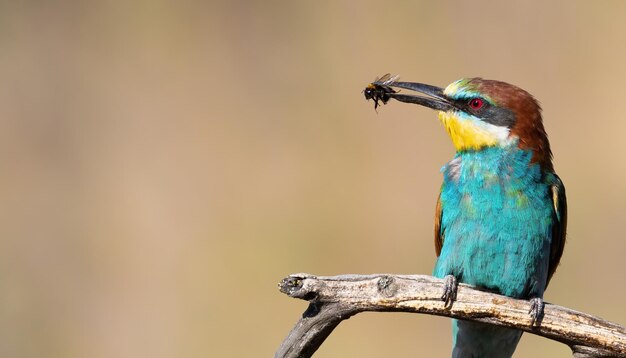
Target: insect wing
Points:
(386, 79)
(382, 78)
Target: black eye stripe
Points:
(465, 105)
(489, 113)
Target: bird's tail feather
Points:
(475, 339)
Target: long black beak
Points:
(435, 100)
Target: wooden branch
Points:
(333, 299)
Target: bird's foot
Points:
(450, 286)
(536, 311)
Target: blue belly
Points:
(497, 217)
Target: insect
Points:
(379, 90)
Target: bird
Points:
(501, 214)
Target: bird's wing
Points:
(438, 229)
(558, 230)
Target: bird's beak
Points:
(435, 100)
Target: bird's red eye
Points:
(476, 103)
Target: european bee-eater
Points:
(501, 215)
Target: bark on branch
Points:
(333, 299)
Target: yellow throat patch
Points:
(467, 134)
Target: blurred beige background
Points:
(166, 163)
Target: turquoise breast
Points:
(496, 221)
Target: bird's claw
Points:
(536, 311)
(450, 286)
